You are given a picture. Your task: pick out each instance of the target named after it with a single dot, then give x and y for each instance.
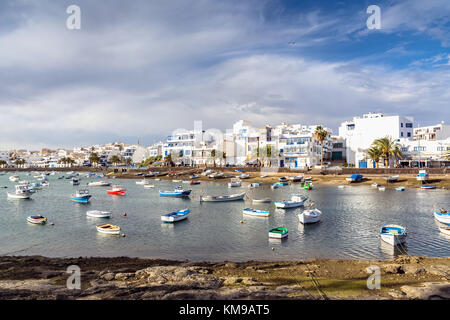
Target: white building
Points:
(440, 131)
(4, 156)
(360, 133)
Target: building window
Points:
(401, 133)
(409, 134)
(401, 124)
(409, 125)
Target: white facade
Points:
(360, 133)
(440, 131)
(4, 156)
(425, 149)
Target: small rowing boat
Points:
(445, 230)
(442, 216)
(175, 216)
(255, 185)
(142, 182)
(309, 216)
(400, 188)
(278, 233)
(393, 234)
(149, 186)
(422, 176)
(354, 178)
(99, 184)
(381, 188)
(108, 229)
(264, 200)
(234, 183)
(232, 197)
(255, 213)
(433, 186)
(37, 219)
(194, 182)
(98, 214)
(177, 192)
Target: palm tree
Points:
(388, 147)
(94, 158)
(447, 155)
(115, 159)
(213, 156)
(321, 134)
(374, 154)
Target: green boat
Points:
(278, 233)
(307, 186)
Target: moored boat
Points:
(310, 216)
(422, 176)
(433, 186)
(354, 178)
(255, 212)
(142, 182)
(234, 183)
(381, 188)
(393, 234)
(175, 216)
(442, 216)
(75, 182)
(296, 178)
(308, 186)
(194, 182)
(400, 188)
(445, 230)
(108, 229)
(99, 184)
(98, 214)
(81, 196)
(117, 190)
(296, 200)
(263, 200)
(392, 178)
(175, 193)
(244, 176)
(232, 197)
(278, 233)
(22, 192)
(374, 185)
(14, 178)
(255, 185)
(37, 219)
(149, 186)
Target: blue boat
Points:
(175, 216)
(241, 171)
(433, 186)
(354, 178)
(175, 193)
(81, 196)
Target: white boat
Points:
(309, 216)
(23, 182)
(175, 216)
(256, 213)
(296, 200)
(98, 214)
(341, 187)
(392, 178)
(22, 192)
(278, 233)
(442, 216)
(296, 178)
(149, 186)
(234, 183)
(374, 185)
(244, 176)
(216, 175)
(207, 172)
(232, 197)
(264, 200)
(108, 229)
(14, 178)
(99, 184)
(422, 176)
(445, 230)
(381, 188)
(393, 234)
(142, 182)
(401, 188)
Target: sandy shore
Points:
(36, 277)
(441, 181)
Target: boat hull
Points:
(114, 231)
(393, 239)
(309, 216)
(221, 198)
(81, 199)
(276, 235)
(256, 213)
(442, 217)
(18, 196)
(173, 194)
(98, 214)
(267, 200)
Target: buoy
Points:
(123, 235)
(273, 248)
(242, 221)
(124, 214)
(52, 224)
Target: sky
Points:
(139, 69)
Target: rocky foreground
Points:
(36, 277)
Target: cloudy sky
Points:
(138, 69)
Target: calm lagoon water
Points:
(351, 220)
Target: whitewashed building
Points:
(361, 132)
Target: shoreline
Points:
(37, 277)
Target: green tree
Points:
(19, 162)
(94, 158)
(214, 156)
(321, 134)
(447, 155)
(388, 148)
(115, 159)
(374, 154)
(3, 162)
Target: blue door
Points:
(281, 163)
(363, 164)
(296, 164)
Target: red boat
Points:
(117, 190)
(195, 182)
